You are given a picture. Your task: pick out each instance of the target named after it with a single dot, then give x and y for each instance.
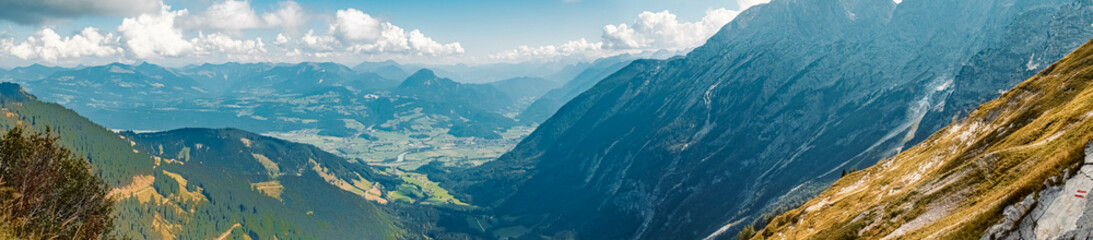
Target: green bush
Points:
(46, 192)
(747, 233)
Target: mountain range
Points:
(764, 127)
(229, 183)
(765, 115)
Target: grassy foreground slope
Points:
(958, 183)
(112, 157)
(232, 183)
(205, 184)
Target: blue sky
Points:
(421, 31)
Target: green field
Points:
(417, 146)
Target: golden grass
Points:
(955, 184)
(185, 195)
(271, 188)
(140, 182)
(166, 229)
(360, 186)
(271, 167)
(229, 232)
(184, 154)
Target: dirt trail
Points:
(229, 232)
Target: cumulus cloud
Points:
(220, 43)
(233, 16)
(281, 39)
(38, 11)
(423, 45)
(318, 42)
(661, 30)
(577, 47)
(360, 32)
(289, 17)
(218, 34)
(354, 26)
(154, 35)
(224, 47)
(48, 46)
(651, 31)
(227, 15)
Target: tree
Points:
(746, 233)
(48, 192)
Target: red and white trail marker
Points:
(1080, 194)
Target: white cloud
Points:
(217, 34)
(38, 11)
(651, 31)
(228, 15)
(423, 45)
(289, 17)
(281, 39)
(234, 16)
(48, 46)
(581, 47)
(354, 26)
(223, 44)
(359, 32)
(318, 42)
(154, 35)
(661, 30)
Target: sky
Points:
(176, 33)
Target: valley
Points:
(777, 119)
(409, 150)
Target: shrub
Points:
(46, 192)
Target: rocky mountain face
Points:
(766, 114)
(1017, 167)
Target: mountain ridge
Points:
(981, 177)
(659, 149)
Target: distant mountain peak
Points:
(424, 73)
(37, 65)
(425, 77)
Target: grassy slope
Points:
(955, 184)
(224, 164)
(113, 157)
(217, 207)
